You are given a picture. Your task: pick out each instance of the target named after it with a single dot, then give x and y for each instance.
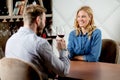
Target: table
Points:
(94, 71)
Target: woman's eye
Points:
(78, 16)
(81, 16)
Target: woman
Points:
(85, 41)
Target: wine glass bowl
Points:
(53, 34)
(60, 31)
(61, 35)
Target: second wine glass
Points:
(60, 31)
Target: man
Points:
(27, 46)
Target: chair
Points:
(15, 69)
(1, 53)
(110, 51)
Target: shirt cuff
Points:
(63, 53)
(84, 57)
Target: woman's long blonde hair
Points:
(90, 27)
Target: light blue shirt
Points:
(89, 48)
(27, 46)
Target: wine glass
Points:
(53, 34)
(60, 31)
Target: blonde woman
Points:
(84, 42)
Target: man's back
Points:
(26, 45)
(20, 44)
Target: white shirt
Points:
(27, 46)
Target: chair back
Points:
(1, 53)
(15, 69)
(110, 51)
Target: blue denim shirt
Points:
(89, 48)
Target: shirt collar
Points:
(81, 34)
(25, 29)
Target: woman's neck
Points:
(84, 31)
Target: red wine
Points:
(61, 36)
(53, 36)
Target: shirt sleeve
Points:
(96, 43)
(57, 65)
(70, 45)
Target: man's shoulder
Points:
(40, 40)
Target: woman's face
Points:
(83, 19)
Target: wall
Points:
(106, 15)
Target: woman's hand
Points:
(79, 58)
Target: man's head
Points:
(35, 14)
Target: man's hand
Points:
(61, 44)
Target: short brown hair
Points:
(32, 11)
